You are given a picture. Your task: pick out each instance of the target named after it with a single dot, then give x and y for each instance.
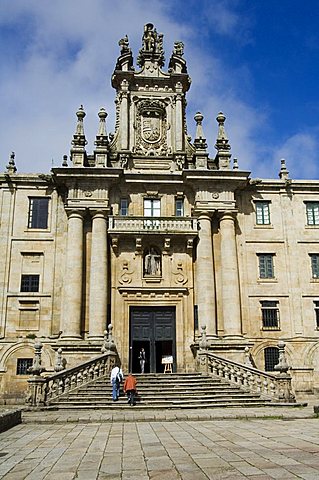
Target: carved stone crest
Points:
(151, 127)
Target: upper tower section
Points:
(150, 106)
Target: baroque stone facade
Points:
(152, 235)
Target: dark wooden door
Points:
(152, 328)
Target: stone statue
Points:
(178, 49)
(124, 44)
(149, 38)
(152, 263)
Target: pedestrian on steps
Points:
(130, 389)
(116, 379)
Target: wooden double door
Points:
(154, 329)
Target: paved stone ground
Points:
(253, 443)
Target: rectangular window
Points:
(316, 305)
(266, 265)
(124, 207)
(179, 207)
(312, 213)
(262, 213)
(23, 364)
(38, 212)
(152, 208)
(30, 283)
(270, 315)
(314, 265)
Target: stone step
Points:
(163, 391)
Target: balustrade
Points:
(151, 224)
(42, 390)
(277, 387)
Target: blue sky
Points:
(255, 60)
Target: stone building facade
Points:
(153, 235)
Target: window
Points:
(266, 265)
(314, 265)
(179, 207)
(152, 208)
(23, 364)
(262, 213)
(124, 207)
(30, 283)
(271, 358)
(38, 212)
(316, 305)
(312, 213)
(270, 315)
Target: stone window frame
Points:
(23, 364)
(270, 314)
(179, 206)
(316, 311)
(262, 212)
(30, 282)
(266, 267)
(38, 213)
(271, 358)
(124, 206)
(314, 260)
(312, 213)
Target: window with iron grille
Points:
(270, 315)
(314, 265)
(23, 364)
(179, 207)
(271, 358)
(266, 265)
(262, 213)
(124, 207)
(312, 209)
(30, 283)
(316, 305)
(38, 212)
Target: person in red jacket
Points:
(130, 389)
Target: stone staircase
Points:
(160, 391)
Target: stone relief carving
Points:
(126, 275)
(151, 126)
(179, 274)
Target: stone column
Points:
(98, 277)
(179, 118)
(124, 115)
(71, 321)
(205, 277)
(230, 279)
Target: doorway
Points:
(152, 328)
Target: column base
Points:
(70, 338)
(95, 338)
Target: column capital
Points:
(208, 214)
(75, 212)
(227, 214)
(98, 213)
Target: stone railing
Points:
(277, 387)
(151, 224)
(42, 390)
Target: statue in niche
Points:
(152, 263)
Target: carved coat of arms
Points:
(151, 126)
